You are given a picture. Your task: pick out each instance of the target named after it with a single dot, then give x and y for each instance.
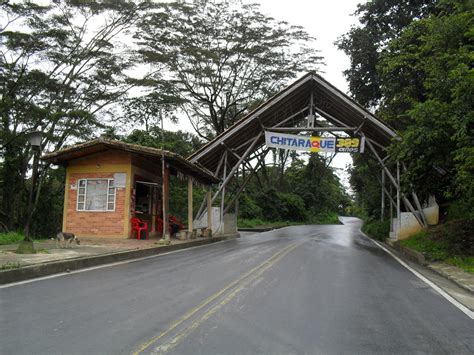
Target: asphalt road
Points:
(298, 290)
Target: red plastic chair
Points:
(139, 225)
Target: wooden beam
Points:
(166, 194)
(228, 176)
(209, 207)
(302, 129)
(246, 181)
(406, 202)
(190, 204)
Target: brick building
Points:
(109, 182)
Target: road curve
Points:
(300, 290)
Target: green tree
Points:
(182, 143)
(420, 78)
(149, 109)
(428, 83)
(310, 189)
(223, 57)
(62, 65)
(380, 22)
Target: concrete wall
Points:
(230, 224)
(215, 217)
(409, 224)
(228, 227)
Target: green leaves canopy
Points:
(223, 57)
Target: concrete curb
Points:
(411, 254)
(266, 229)
(55, 267)
(419, 258)
(439, 270)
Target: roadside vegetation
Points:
(412, 62)
(10, 238)
(377, 229)
(226, 60)
(451, 243)
(10, 266)
(326, 218)
(409, 61)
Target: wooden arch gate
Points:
(310, 104)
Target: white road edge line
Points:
(103, 266)
(430, 283)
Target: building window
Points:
(96, 195)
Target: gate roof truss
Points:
(290, 106)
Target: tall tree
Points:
(421, 80)
(149, 109)
(61, 66)
(380, 22)
(428, 84)
(223, 57)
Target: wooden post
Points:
(190, 204)
(209, 208)
(154, 208)
(166, 193)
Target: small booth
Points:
(113, 188)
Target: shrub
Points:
(293, 207)
(325, 218)
(457, 236)
(376, 229)
(270, 204)
(251, 223)
(432, 250)
(10, 238)
(248, 207)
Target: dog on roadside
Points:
(66, 239)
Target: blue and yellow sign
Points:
(314, 144)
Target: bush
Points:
(293, 207)
(444, 243)
(325, 218)
(376, 229)
(432, 250)
(248, 208)
(257, 222)
(270, 204)
(10, 238)
(457, 236)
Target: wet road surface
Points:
(297, 290)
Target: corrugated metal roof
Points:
(328, 101)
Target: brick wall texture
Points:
(106, 223)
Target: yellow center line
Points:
(263, 266)
(189, 329)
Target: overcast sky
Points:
(325, 20)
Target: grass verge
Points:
(376, 229)
(439, 249)
(258, 223)
(10, 265)
(325, 218)
(10, 238)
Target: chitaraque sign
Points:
(314, 144)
